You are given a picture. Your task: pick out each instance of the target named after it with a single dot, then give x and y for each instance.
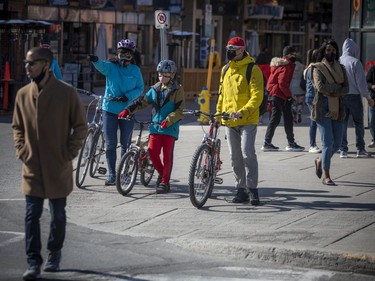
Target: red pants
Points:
(156, 144)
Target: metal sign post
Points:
(162, 23)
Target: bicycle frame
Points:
(206, 162)
(135, 160)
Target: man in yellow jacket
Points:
(241, 100)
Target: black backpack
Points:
(263, 105)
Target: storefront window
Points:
(355, 11)
(369, 14)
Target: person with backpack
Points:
(168, 102)
(278, 86)
(241, 98)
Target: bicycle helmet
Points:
(166, 66)
(126, 44)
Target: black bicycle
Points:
(135, 159)
(206, 162)
(94, 144)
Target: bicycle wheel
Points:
(216, 164)
(127, 172)
(147, 170)
(200, 176)
(97, 151)
(84, 158)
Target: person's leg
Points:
(326, 133)
(57, 234)
(168, 148)
(110, 126)
(274, 120)
(357, 114)
(58, 223)
(154, 149)
(288, 121)
(248, 134)
(34, 210)
(238, 164)
(312, 131)
(372, 122)
(126, 133)
(344, 142)
(236, 156)
(338, 131)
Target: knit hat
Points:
(236, 41)
(289, 50)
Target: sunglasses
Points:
(233, 48)
(32, 63)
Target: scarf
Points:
(334, 75)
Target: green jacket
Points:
(236, 95)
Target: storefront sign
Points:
(265, 12)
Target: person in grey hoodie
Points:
(353, 100)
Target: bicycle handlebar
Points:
(132, 117)
(87, 93)
(211, 116)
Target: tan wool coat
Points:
(49, 127)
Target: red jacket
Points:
(281, 75)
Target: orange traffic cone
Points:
(6, 86)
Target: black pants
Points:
(280, 107)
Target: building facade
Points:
(76, 28)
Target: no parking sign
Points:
(161, 19)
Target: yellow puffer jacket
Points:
(236, 95)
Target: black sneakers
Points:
(163, 188)
(53, 262)
(32, 273)
(254, 197)
(241, 196)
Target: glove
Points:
(92, 58)
(123, 114)
(122, 99)
(164, 124)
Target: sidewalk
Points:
(300, 221)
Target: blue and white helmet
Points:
(166, 66)
(126, 44)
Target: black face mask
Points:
(330, 57)
(231, 54)
(40, 77)
(292, 59)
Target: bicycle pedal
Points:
(102, 170)
(218, 180)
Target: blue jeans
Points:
(331, 133)
(34, 210)
(353, 105)
(313, 128)
(372, 122)
(241, 142)
(110, 125)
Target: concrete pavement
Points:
(300, 221)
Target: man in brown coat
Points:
(49, 126)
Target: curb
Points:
(308, 258)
